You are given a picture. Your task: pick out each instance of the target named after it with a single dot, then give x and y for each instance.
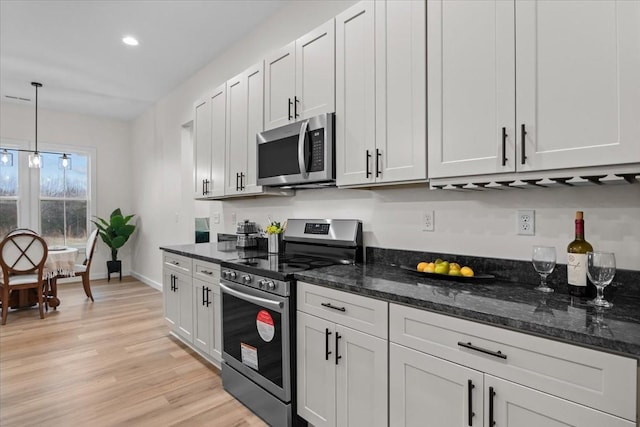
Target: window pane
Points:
(52, 221)
(9, 176)
(8, 216)
(76, 213)
(51, 177)
(78, 177)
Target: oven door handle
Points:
(301, 153)
(250, 298)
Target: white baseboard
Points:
(147, 281)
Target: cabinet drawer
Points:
(177, 263)
(355, 311)
(594, 378)
(206, 271)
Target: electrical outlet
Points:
(526, 222)
(234, 219)
(428, 223)
(216, 217)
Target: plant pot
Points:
(114, 267)
(274, 242)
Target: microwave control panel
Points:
(317, 150)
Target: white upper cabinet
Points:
(380, 93)
(300, 78)
(578, 83)
(202, 148)
(532, 85)
(218, 102)
(244, 120)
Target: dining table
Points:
(60, 263)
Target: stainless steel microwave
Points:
(298, 154)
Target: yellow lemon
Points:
(430, 268)
(442, 268)
(454, 272)
(454, 265)
(466, 271)
(421, 266)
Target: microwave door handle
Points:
(301, 138)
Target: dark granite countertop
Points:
(495, 302)
(215, 252)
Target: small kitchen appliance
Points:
(247, 234)
(258, 313)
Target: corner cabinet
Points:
(381, 93)
(532, 85)
(341, 358)
(454, 372)
(192, 305)
(300, 78)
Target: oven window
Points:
(279, 157)
(245, 343)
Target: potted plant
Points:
(115, 234)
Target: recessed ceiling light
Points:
(131, 41)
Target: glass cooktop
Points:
(279, 266)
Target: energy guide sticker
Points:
(249, 355)
(264, 323)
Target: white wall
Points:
(110, 140)
(481, 224)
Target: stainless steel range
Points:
(258, 313)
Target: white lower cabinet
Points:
(446, 371)
(341, 371)
(178, 295)
(427, 391)
(192, 304)
(206, 328)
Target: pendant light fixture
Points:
(35, 159)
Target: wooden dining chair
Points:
(22, 258)
(82, 270)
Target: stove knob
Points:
(246, 279)
(270, 285)
(225, 274)
(232, 275)
(261, 283)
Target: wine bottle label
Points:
(577, 269)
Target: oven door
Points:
(256, 337)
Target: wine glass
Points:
(544, 261)
(601, 267)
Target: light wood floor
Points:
(107, 363)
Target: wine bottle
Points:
(579, 285)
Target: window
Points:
(64, 200)
(53, 200)
(9, 191)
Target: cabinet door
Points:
(361, 379)
(518, 406)
(427, 391)
(315, 72)
(236, 141)
(401, 93)
(470, 87)
(202, 147)
(280, 85)
(578, 84)
(171, 300)
(218, 103)
(255, 124)
(202, 333)
(355, 95)
(184, 287)
(316, 370)
(216, 343)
